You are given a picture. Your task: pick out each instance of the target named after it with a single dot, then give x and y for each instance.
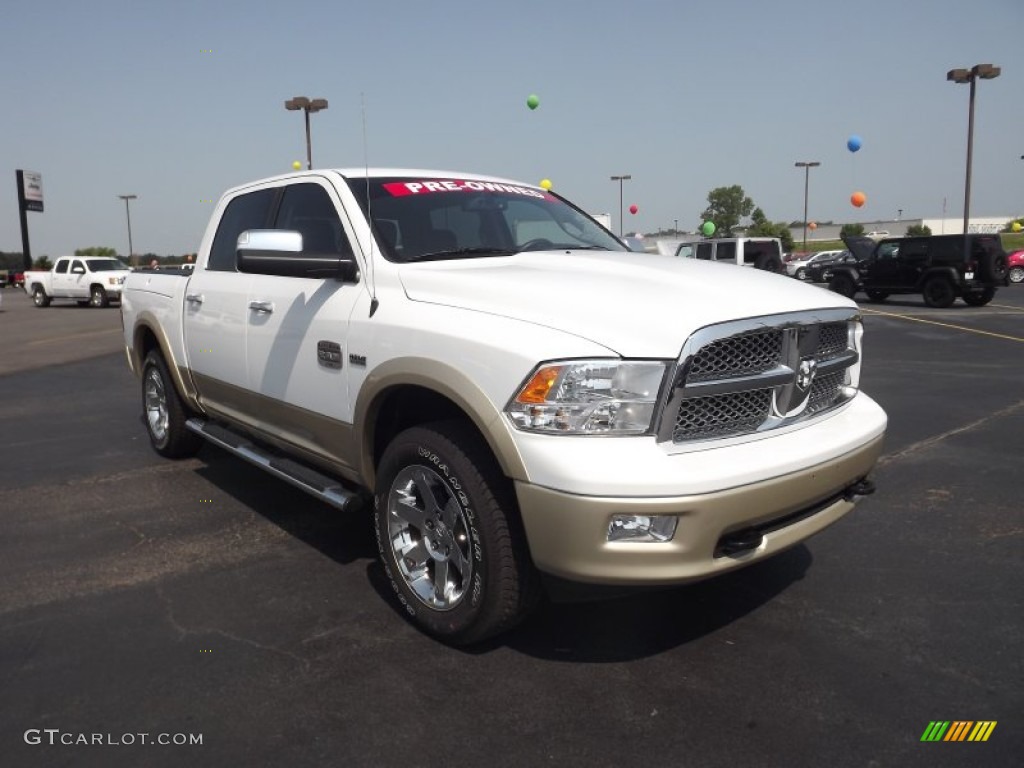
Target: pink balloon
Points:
(633, 209)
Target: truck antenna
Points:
(369, 217)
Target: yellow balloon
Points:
(545, 183)
(1016, 227)
(297, 165)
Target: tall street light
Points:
(985, 72)
(306, 105)
(620, 179)
(807, 179)
(128, 214)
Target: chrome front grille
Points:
(750, 376)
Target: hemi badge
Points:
(328, 354)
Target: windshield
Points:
(424, 219)
(105, 265)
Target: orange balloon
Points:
(812, 225)
(857, 199)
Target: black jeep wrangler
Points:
(936, 266)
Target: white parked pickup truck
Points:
(504, 387)
(90, 280)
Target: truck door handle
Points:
(196, 298)
(262, 306)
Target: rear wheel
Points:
(98, 297)
(843, 285)
(39, 297)
(938, 293)
(980, 299)
(449, 535)
(1017, 275)
(878, 296)
(165, 412)
(801, 274)
(769, 262)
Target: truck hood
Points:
(635, 304)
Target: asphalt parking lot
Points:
(141, 596)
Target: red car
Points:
(1015, 261)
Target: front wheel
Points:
(1017, 274)
(979, 299)
(801, 274)
(449, 534)
(165, 412)
(39, 297)
(938, 293)
(843, 285)
(98, 297)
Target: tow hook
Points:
(862, 487)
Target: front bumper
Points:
(568, 532)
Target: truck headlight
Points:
(112, 281)
(589, 397)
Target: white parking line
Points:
(944, 325)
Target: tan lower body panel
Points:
(568, 533)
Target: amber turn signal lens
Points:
(538, 387)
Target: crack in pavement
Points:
(184, 632)
(921, 445)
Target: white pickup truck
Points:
(90, 280)
(506, 389)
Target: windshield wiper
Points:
(458, 253)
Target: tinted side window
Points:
(947, 250)
(76, 264)
(62, 267)
(914, 250)
(244, 212)
(704, 251)
(725, 252)
(307, 209)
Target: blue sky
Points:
(108, 98)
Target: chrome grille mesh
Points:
(741, 355)
(824, 391)
(832, 340)
(701, 418)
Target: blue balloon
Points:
(853, 143)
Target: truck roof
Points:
(379, 172)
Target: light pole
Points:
(675, 229)
(985, 72)
(128, 214)
(899, 213)
(807, 179)
(620, 179)
(306, 105)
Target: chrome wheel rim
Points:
(1017, 274)
(429, 538)
(155, 402)
(97, 298)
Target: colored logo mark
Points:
(958, 730)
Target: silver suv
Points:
(758, 252)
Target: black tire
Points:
(1016, 274)
(843, 285)
(801, 274)
(39, 297)
(938, 293)
(769, 262)
(445, 515)
(877, 296)
(98, 297)
(164, 412)
(82, 302)
(979, 299)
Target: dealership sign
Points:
(31, 191)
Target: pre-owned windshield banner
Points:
(403, 188)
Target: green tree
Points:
(761, 227)
(851, 230)
(919, 230)
(97, 250)
(43, 262)
(726, 206)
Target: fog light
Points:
(642, 528)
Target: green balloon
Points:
(532, 101)
(708, 228)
